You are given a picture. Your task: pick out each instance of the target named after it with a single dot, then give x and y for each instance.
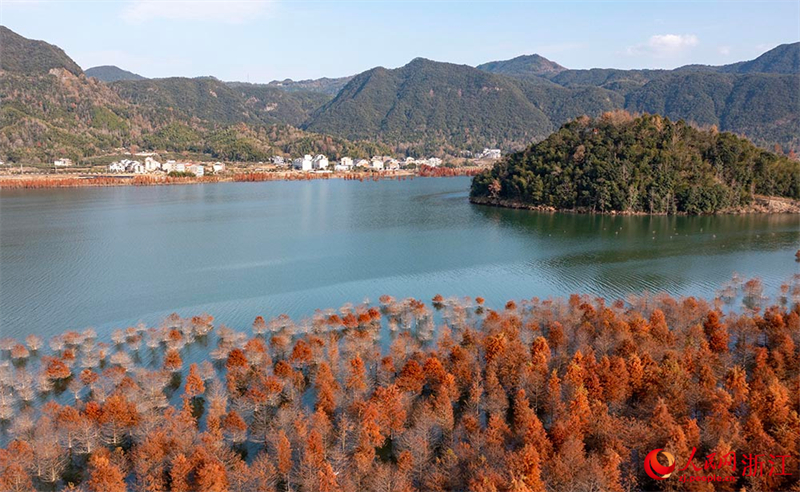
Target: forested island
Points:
(404, 395)
(621, 163)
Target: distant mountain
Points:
(763, 107)
(429, 106)
(523, 66)
(225, 103)
(49, 107)
(111, 73)
(433, 107)
(324, 85)
(48, 112)
(622, 81)
(783, 59)
(27, 56)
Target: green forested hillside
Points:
(28, 56)
(430, 106)
(325, 85)
(650, 164)
(764, 107)
(759, 98)
(255, 143)
(422, 108)
(784, 59)
(607, 78)
(213, 100)
(523, 66)
(110, 73)
(48, 116)
(50, 109)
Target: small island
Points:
(622, 163)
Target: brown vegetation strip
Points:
(75, 181)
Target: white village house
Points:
(151, 164)
(346, 164)
(492, 154)
(116, 167)
(377, 163)
(63, 162)
(304, 163)
(319, 162)
(196, 169)
(127, 166)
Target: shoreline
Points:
(46, 181)
(761, 205)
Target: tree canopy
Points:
(625, 163)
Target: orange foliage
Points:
(105, 476)
(557, 394)
(194, 383)
(173, 361)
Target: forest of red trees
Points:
(538, 395)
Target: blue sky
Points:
(260, 40)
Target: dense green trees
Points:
(111, 73)
(21, 54)
(50, 110)
(215, 101)
(433, 107)
(427, 106)
(45, 117)
(619, 162)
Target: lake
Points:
(109, 257)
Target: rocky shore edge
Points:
(760, 205)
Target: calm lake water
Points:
(109, 257)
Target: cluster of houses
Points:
(305, 163)
(151, 165)
(489, 154)
(380, 163)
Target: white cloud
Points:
(672, 43)
(230, 12)
(725, 50)
(665, 45)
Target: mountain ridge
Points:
(19, 54)
(112, 73)
(422, 108)
(523, 65)
(376, 104)
(411, 103)
(325, 85)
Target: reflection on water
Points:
(108, 257)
